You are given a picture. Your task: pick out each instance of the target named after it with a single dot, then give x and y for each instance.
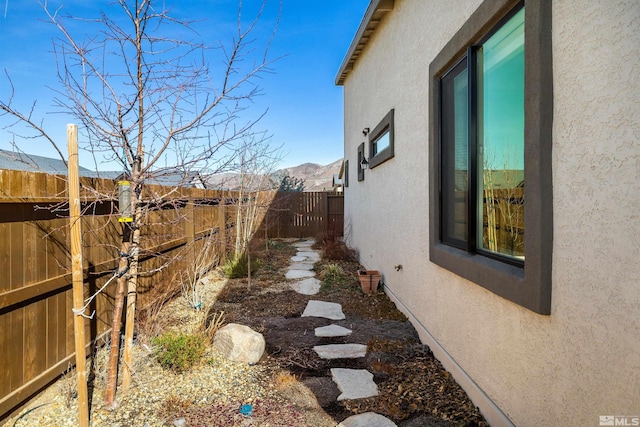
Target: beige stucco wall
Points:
(583, 360)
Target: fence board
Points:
(5, 374)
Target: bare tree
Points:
(148, 92)
(257, 160)
(503, 200)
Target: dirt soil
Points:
(414, 388)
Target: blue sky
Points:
(305, 108)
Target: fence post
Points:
(77, 274)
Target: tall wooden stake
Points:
(77, 274)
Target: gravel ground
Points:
(210, 393)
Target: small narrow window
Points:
(381, 141)
(360, 159)
(346, 173)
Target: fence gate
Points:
(305, 214)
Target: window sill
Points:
(380, 158)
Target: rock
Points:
(239, 343)
(299, 274)
(328, 310)
(341, 351)
(310, 255)
(354, 383)
(368, 419)
(301, 266)
(332, 331)
(308, 286)
(180, 422)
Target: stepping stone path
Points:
(353, 383)
(308, 286)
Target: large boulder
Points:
(239, 343)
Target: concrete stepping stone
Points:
(298, 258)
(328, 310)
(332, 331)
(310, 286)
(301, 266)
(354, 383)
(341, 351)
(304, 247)
(299, 274)
(311, 255)
(368, 419)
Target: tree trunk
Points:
(248, 268)
(112, 367)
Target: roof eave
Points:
(376, 10)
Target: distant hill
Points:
(316, 177)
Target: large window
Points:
(490, 103)
(482, 145)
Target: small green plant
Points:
(179, 351)
(239, 267)
(333, 275)
(276, 244)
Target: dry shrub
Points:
(328, 236)
(212, 324)
(68, 385)
(174, 406)
(149, 322)
(257, 246)
(333, 248)
(338, 251)
(284, 379)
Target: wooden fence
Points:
(300, 214)
(36, 324)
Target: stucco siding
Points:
(583, 360)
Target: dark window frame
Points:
(346, 174)
(528, 285)
(385, 125)
(360, 159)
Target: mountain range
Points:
(316, 177)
